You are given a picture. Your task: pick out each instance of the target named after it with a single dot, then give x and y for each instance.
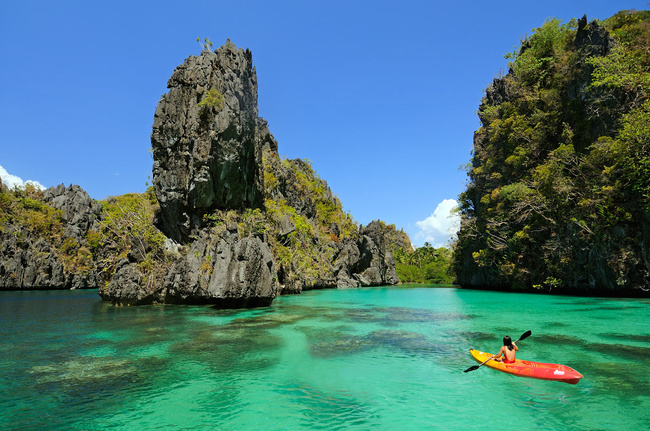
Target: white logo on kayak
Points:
(558, 373)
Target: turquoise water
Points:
(369, 359)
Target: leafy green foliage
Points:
(424, 265)
(298, 200)
(542, 52)
(212, 101)
(635, 152)
(212, 98)
(25, 209)
(253, 223)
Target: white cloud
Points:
(440, 227)
(11, 181)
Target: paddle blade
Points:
(525, 335)
(472, 368)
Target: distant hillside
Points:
(559, 192)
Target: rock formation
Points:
(41, 248)
(206, 157)
(214, 233)
(208, 142)
(557, 198)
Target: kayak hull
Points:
(530, 369)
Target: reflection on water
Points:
(385, 358)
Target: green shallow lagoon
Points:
(370, 359)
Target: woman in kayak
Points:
(507, 350)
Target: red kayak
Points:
(533, 370)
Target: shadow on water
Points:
(625, 370)
(616, 378)
(402, 314)
(621, 351)
(84, 381)
(387, 316)
(225, 349)
(267, 321)
(475, 338)
(341, 345)
(589, 305)
(244, 343)
(645, 338)
(391, 315)
(559, 340)
(321, 410)
(404, 342)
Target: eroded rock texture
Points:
(208, 176)
(31, 258)
(205, 157)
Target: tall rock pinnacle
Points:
(205, 154)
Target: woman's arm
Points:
(515, 346)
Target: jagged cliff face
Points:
(558, 197)
(213, 233)
(315, 243)
(205, 157)
(209, 180)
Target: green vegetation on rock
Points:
(24, 208)
(25, 216)
(127, 232)
(230, 223)
(305, 222)
(559, 187)
(206, 45)
(212, 98)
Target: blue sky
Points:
(381, 96)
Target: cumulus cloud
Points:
(11, 181)
(440, 227)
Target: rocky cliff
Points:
(559, 181)
(239, 225)
(43, 236)
(205, 155)
(227, 221)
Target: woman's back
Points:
(509, 355)
(508, 350)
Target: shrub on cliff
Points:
(309, 231)
(127, 231)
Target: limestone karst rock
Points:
(33, 259)
(557, 199)
(206, 157)
(207, 237)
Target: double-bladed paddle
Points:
(476, 367)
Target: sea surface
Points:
(370, 359)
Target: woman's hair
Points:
(507, 341)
